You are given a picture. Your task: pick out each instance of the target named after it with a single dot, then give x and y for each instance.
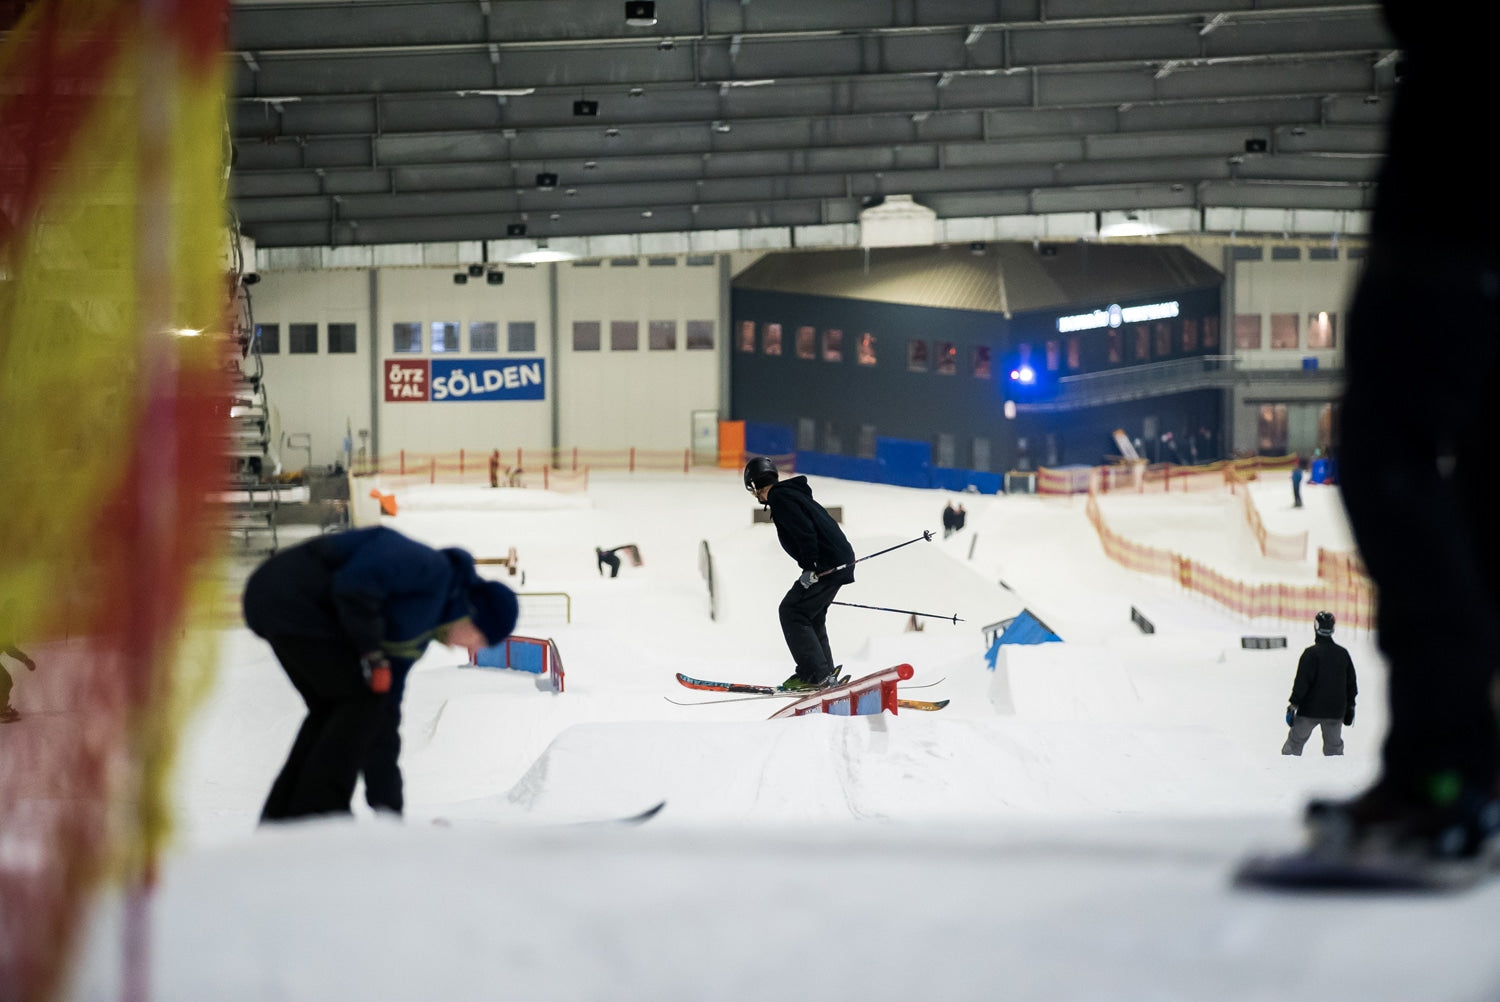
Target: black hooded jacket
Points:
(1324, 688)
(807, 532)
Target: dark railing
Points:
(1154, 379)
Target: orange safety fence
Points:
(1142, 478)
(1349, 596)
(1276, 545)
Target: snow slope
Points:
(1065, 829)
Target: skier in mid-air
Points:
(811, 537)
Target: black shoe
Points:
(1444, 820)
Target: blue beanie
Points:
(494, 609)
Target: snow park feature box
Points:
(517, 653)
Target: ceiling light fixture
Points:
(640, 13)
(541, 254)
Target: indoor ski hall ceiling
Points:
(401, 121)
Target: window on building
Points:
(981, 455)
(1141, 335)
(982, 361)
(833, 442)
(916, 355)
(302, 339)
(1328, 427)
(624, 335)
(1211, 333)
(1054, 355)
(1247, 333)
(586, 335)
(268, 338)
(807, 342)
(484, 335)
(866, 354)
(406, 338)
(807, 434)
(1284, 333)
(747, 337)
(1189, 334)
(1270, 430)
(946, 358)
(833, 345)
(1075, 358)
(341, 339)
(444, 337)
(1321, 331)
(1113, 347)
(661, 335)
(1163, 339)
(866, 447)
(773, 339)
(700, 333)
(946, 457)
(520, 336)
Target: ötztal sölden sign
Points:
(445, 379)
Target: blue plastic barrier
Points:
(768, 439)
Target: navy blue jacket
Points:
(807, 532)
(374, 587)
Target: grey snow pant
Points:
(1302, 728)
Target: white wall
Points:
(605, 399)
(428, 295)
(641, 398)
(320, 395)
(1302, 287)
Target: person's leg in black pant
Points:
(343, 714)
(384, 789)
(1415, 451)
(802, 612)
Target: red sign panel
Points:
(406, 379)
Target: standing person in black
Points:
(1322, 693)
(1416, 477)
(347, 614)
(811, 537)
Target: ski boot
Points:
(1442, 821)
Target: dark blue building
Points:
(951, 365)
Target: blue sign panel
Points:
(496, 379)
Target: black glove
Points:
(1349, 717)
(1291, 714)
(377, 671)
(807, 579)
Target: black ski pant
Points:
(337, 736)
(804, 613)
(1419, 447)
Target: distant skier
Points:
(347, 614)
(1323, 692)
(950, 519)
(811, 537)
(607, 558)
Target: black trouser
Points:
(804, 612)
(337, 735)
(1419, 446)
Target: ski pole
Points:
(904, 612)
(927, 535)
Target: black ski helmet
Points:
(759, 472)
(1323, 624)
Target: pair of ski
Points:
(749, 690)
